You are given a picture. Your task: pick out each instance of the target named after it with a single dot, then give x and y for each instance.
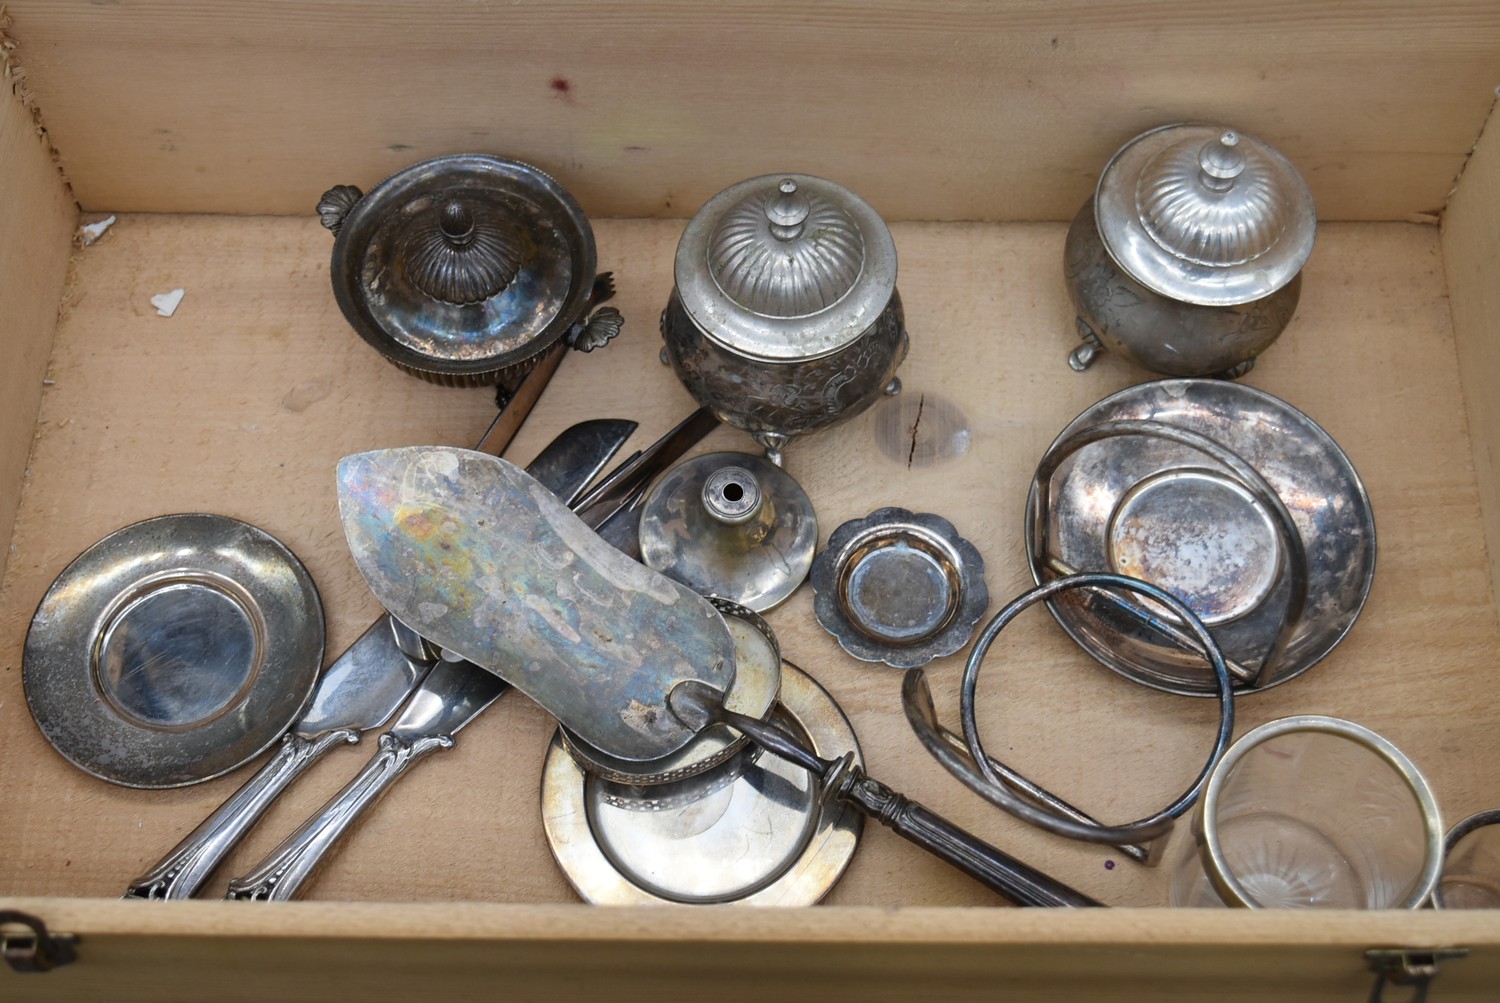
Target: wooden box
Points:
(977, 129)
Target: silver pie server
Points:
(454, 694)
(482, 560)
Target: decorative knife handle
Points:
(183, 871)
(1022, 884)
(281, 875)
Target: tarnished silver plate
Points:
(1227, 497)
(173, 651)
(754, 831)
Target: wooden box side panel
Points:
(230, 951)
(1471, 253)
(37, 216)
(932, 110)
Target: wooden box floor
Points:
(243, 401)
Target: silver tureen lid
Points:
(785, 267)
(459, 268)
(1205, 215)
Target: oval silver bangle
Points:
(1141, 840)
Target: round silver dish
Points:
(899, 587)
(757, 681)
(730, 525)
(462, 269)
(754, 832)
(1227, 497)
(173, 651)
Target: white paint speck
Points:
(90, 232)
(166, 303)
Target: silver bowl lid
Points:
(785, 267)
(1205, 215)
(462, 266)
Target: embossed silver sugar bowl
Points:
(785, 317)
(1188, 259)
(465, 270)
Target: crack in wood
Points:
(915, 424)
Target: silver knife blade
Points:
(452, 695)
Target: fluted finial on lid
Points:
(784, 252)
(460, 255)
(457, 224)
(1220, 162)
(787, 212)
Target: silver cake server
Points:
(482, 560)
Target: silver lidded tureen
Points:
(464, 270)
(1188, 259)
(785, 317)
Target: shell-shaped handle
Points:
(335, 204)
(602, 328)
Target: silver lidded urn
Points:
(785, 317)
(1188, 259)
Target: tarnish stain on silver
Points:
(475, 555)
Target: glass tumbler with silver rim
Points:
(1312, 812)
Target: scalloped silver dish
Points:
(899, 587)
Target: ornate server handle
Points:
(183, 871)
(1022, 884)
(281, 875)
(696, 704)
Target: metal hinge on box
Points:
(34, 950)
(1406, 967)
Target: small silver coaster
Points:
(173, 651)
(754, 831)
(899, 587)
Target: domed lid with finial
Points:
(785, 267)
(1205, 215)
(463, 267)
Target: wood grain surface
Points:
(1471, 254)
(37, 216)
(931, 110)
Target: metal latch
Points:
(36, 950)
(1404, 967)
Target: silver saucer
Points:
(899, 587)
(755, 831)
(173, 651)
(1227, 497)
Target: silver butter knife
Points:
(453, 694)
(360, 691)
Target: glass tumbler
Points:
(1471, 869)
(1312, 812)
